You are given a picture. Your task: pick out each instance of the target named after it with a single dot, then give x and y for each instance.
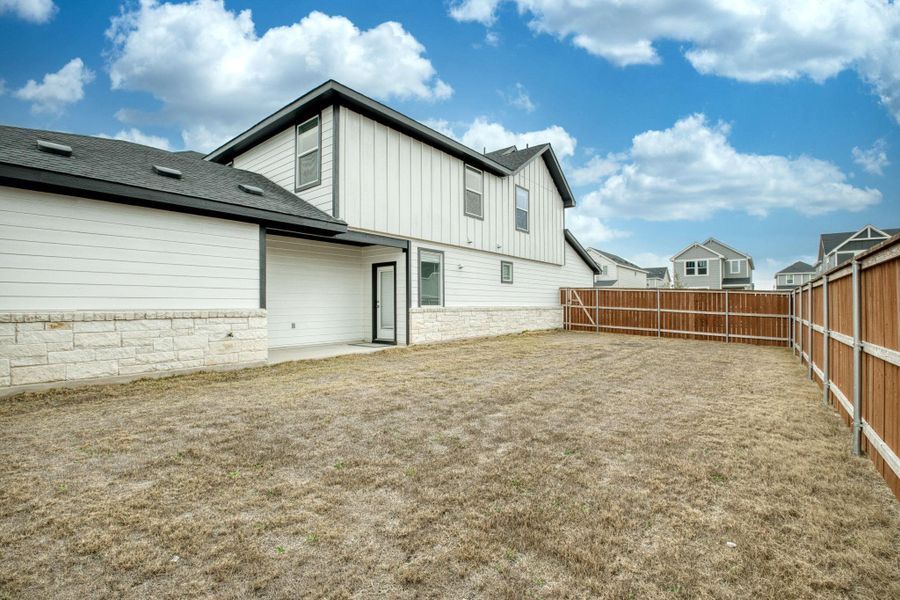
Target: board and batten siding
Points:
(472, 278)
(391, 183)
(321, 293)
(65, 253)
(276, 159)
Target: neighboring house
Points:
(615, 271)
(339, 220)
(712, 265)
(838, 248)
(658, 277)
(794, 275)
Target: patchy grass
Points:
(533, 466)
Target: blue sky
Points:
(673, 125)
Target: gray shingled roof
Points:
(512, 159)
(830, 241)
(657, 272)
(130, 164)
(618, 259)
(736, 280)
(798, 267)
(605, 283)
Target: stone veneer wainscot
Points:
(47, 347)
(439, 324)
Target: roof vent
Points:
(53, 148)
(250, 189)
(167, 172)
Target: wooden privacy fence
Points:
(723, 315)
(847, 332)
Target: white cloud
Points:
(483, 134)
(590, 229)
(139, 137)
(481, 11)
(872, 160)
(492, 38)
(765, 40)
(35, 11)
(215, 75)
(56, 90)
(690, 171)
(651, 259)
(596, 169)
(520, 99)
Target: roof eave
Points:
(579, 249)
(50, 181)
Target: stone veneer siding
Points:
(47, 347)
(439, 324)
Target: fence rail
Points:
(746, 317)
(846, 330)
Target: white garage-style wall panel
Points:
(276, 159)
(64, 253)
(472, 278)
(314, 292)
(391, 183)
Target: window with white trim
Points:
(696, 267)
(734, 266)
(473, 203)
(431, 278)
(522, 208)
(506, 272)
(789, 279)
(308, 154)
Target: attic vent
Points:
(167, 172)
(53, 148)
(250, 189)
(509, 150)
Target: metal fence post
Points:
(727, 329)
(826, 334)
(809, 331)
(658, 324)
(857, 364)
(800, 322)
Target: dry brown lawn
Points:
(555, 465)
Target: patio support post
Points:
(826, 333)
(857, 363)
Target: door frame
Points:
(375, 267)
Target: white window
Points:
(522, 209)
(734, 266)
(308, 155)
(473, 205)
(695, 267)
(431, 278)
(506, 272)
(789, 279)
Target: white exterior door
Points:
(385, 302)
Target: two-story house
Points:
(794, 275)
(658, 277)
(838, 248)
(617, 272)
(335, 220)
(712, 265)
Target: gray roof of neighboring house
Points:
(830, 241)
(657, 272)
(736, 280)
(605, 283)
(798, 267)
(333, 93)
(579, 249)
(618, 259)
(513, 159)
(117, 170)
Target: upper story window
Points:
(734, 266)
(696, 267)
(789, 279)
(522, 208)
(308, 154)
(474, 200)
(431, 278)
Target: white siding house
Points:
(335, 220)
(617, 272)
(712, 265)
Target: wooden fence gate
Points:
(747, 317)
